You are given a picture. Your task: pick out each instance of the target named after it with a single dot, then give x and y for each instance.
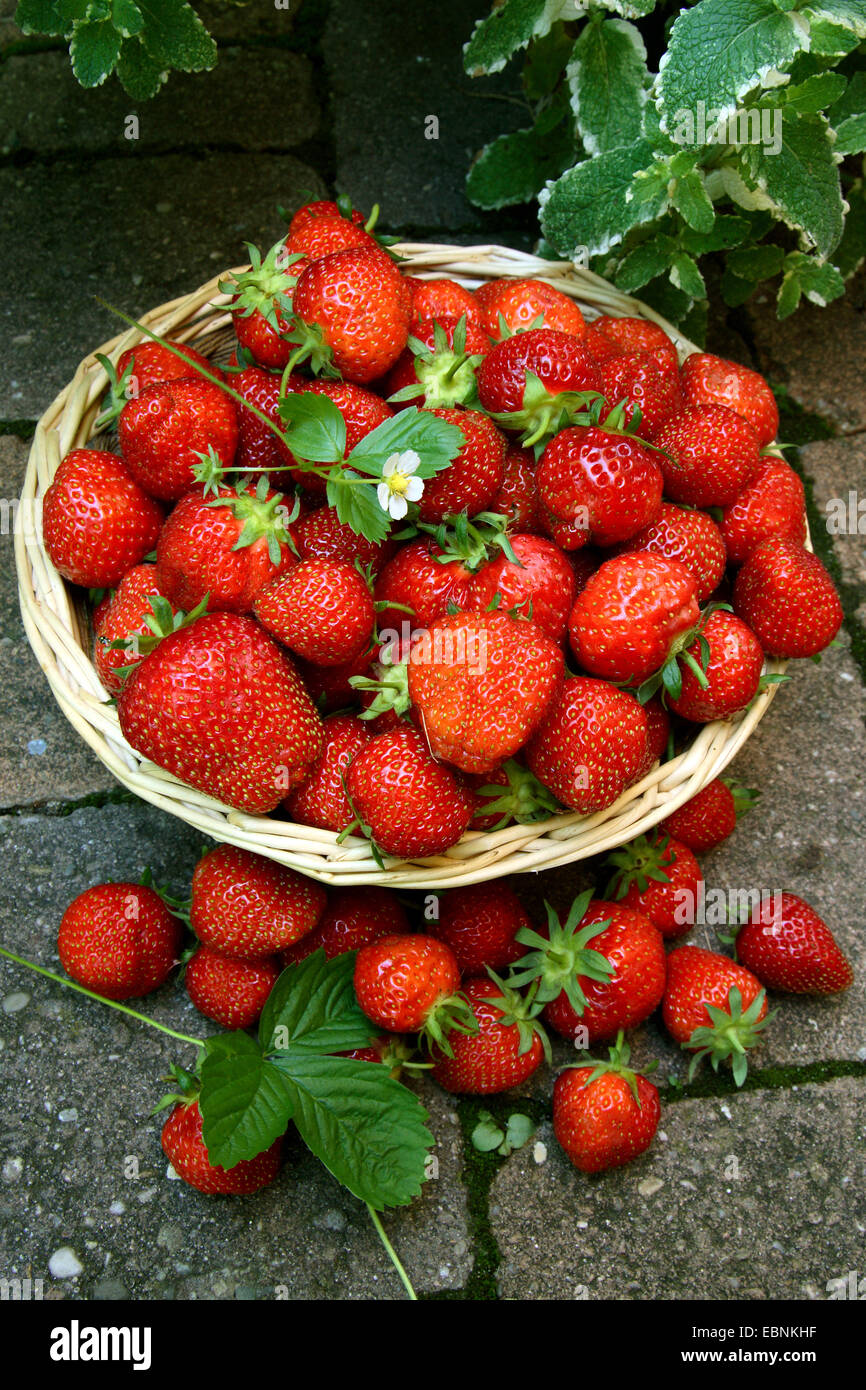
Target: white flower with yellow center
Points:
(399, 486)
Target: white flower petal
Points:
(398, 507)
(383, 494)
(409, 461)
(414, 489)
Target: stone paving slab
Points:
(837, 468)
(758, 1196)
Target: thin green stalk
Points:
(392, 1254)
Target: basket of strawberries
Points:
(414, 565)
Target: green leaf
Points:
(50, 16)
(667, 300)
(849, 14)
(686, 276)
(607, 77)
(816, 92)
(357, 505)
(802, 179)
(515, 167)
(487, 1134)
(852, 101)
(316, 431)
(691, 200)
(436, 442)
(126, 17)
(367, 1129)
(719, 50)
(593, 205)
(728, 230)
(519, 1132)
(139, 75)
(245, 1103)
(851, 136)
(851, 251)
(94, 50)
(830, 40)
(313, 1005)
(545, 59)
(644, 263)
(756, 263)
(508, 29)
(174, 36)
(819, 281)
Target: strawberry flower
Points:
(399, 485)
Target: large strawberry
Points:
(480, 923)
(409, 984)
(713, 1007)
(165, 431)
(473, 478)
(321, 535)
(530, 381)
(362, 412)
(96, 520)
(221, 707)
(321, 799)
(604, 1113)
(597, 486)
(258, 446)
(507, 1048)
(636, 335)
(412, 806)
(537, 583)
(419, 584)
(320, 609)
(708, 455)
(119, 939)
(709, 380)
(627, 621)
(353, 917)
(231, 992)
(659, 877)
(590, 745)
(185, 1149)
(788, 599)
(515, 306)
(728, 656)
(651, 394)
(352, 314)
(144, 365)
(687, 535)
(517, 499)
(773, 504)
(709, 817)
(249, 907)
(790, 948)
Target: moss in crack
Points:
(21, 429)
(710, 1083)
(116, 796)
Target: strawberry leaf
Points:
(316, 429)
(436, 442)
(313, 1006)
(245, 1103)
(357, 505)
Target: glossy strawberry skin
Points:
(541, 585)
(249, 907)
(733, 671)
(320, 535)
(362, 306)
(97, 522)
(790, 948)
(772, 505)
(416, 579)
(414, 806)
(399, 979)
(638, 379)
(625, 621)
(362, 412)
(590, 745)
(597, 487)
(709, 380)
(184, 1147)
(327, 233)
(600, 1125)
(165, 429)
(706, 820)
(635, 949)
(220, 706)
(697, 977)
(692, 537)
(119, 939)
(441, 299)
(669, 906)
(489, 1061)
(321, 799)
(658, 732)
(259, 447)
(638, 335)
(152, 362)
(231, 992)
(709, 455)
(559, 361)
(473, 478)
(266, 342)
(788, 599)
(353, 917)
(308, 214)
(320, 609)
(479, 923)
(518, 497)
(521, 301)
(122, 619)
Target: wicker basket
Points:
(58, 628)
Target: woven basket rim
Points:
(58, 631)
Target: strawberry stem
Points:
(392, 1254)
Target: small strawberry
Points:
(353, 917)
(261, 305)
(507, 1048)
(479, 923)
(529, 382)
(168, 427)
(249, 907)
(412, 806)
(96, 520)
(637, 335)
(352, 313)
(713, 1008)
(788, 599)
(119, 939)
(772, 505)
(231, 992)
(419, 584)
(438, 367)
(597, 486)
(638, 380)
(514, 306)
(184, 1147)
(708, 455)
(409, 984)
(538, 583)
(326, 233)
(626, 623)
(729, 658)
(307, 215)
(692, 537)
(605, 1114)
(709, 380)
(473, 478)
(129, 615)
(320, 609)
(517, 499)
(709, 817)
(321, 799)
(790, 948)
(321, 535)
(440, 300)
(590, 745)
(659, 877)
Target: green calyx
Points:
(263, 517)
(558, 960)
(446, 373)
(118, 392)
(729, 1035)
(267, 287)
(669, 677)
(618, 1065)
(450, 1014)
(744, 797)
(521, 1012)
(390, 687)
(471, 543)
(186, 1088)
(161, 622)
(524, 799)
(310, 347)
(544, 413)
(640, 862)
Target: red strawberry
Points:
(330, 686)
(438, 367)
(627, 620)
(605, 1114)
(321, 799)
(788, 599)
(96, 521)
(658, 732)
(597, 486)
(362, 412)
(165, 431)
(637, 335)
(517, 498)
(659, 877)
(249, 907)
(307, 215)
(408, 984)
(538, 584)
(326, 233)
(473, 478)
(590, 745)
(788, 946)
(709, 454)
(521, 303)
(231, 992)
(638, 379)
(709, 380)
(528, 381)
(729, 657)
(441, 299)
(221, 707)
(128, 615)
(479, 923)
(692, 537)
(262, 304)
(185, 1149)
(258, 446)
(508, 1047)
(420, 578)
(353, 917)
(353, 311)
(772, 505)
(320, 535)
(148, 363)
(602, 348)
(412, 806)
(710, 817)
(321, 609)
(119, 939)
(713, 1007)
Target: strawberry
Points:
(513, 306)
(602, 348)
(326, 233)
(590, 745)
(517, 498)
(362, 412)
(659, 877)
(473, 478)
(258, 447)
(538, 583)
(616, 982)
(605, 1114)
(597, 486)
(507, 1048)
(627, 621)
(329, 686)
(422, 579)
(729, 657)
(709, 454)
(438, 366)
(788, 599)
(129, 614)
(637, 335)
(184, 1147)
(353, 917)
(231, 992)
(96, 520)
(166, 429)
(482, 682)
(479, 923)
(658, 733)
(440, 300)
(710, 816)
(321, 799)
(352, 312)
(307, 215)
(788, 947)
(320, 535)
(249, 907)
(408, 984)
(529, 381)
(320, 609)
(261, 304)
(709, 380)
(713, 1008)
(220, 706)
(692, 537)
(772, 505)
(119, 939)
(412, 806)
(638, 379)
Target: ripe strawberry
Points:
(258, 447)
(473, 478)
(408, 984)
(637, 335)
(96, 520)
(602, 348)
(440, 300)
(352, 311)
(321, 799)
(119, 939)
(326, 233)
(728, 655)
(521, 303)
(231, 992)
(148, 363)
(709, 380)
(128, 615)
(590, 745)
(482, 682)
(164, 432)
(626, 622)
(713, 1007)
(321, 609)
(658, 733)
(261, 305)
(221, 707)
(659, 877)
(788, 599)
(538, 584)
(643, 384)
(692, 537)
(710, 817)
(517, 498)
(320, 535)
(479, 923)
(597, 486)
(438, 366)
(329, 686)
(353, 917)
(772, 505)
(790, 948)
(246, 906)
(420, 578)
(709, 455)
(508, 1047)
(307, 215)
(412, 806)
(605, 1114)
(185, 1149)
(362, 412)
(527, 382)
